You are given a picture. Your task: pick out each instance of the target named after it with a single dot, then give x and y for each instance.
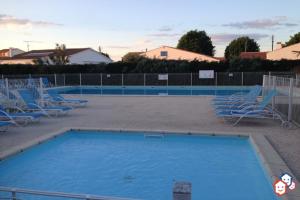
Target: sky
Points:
(119, 26)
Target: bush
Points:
(155, 66)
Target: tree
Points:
(132, 57)
(293, 39)
(196, 41)
(60, 56)
(102, 53)
(242, 44)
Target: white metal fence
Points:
(287, 100)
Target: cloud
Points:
(164, 35)
(227, 37)
(10, 21)
(165, 29)
(118, 47)
(279, 21)
(142, 42)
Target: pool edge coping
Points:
(272, 162)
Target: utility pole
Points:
(28, 43)
(246, 45)
(272, 42)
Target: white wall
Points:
(17, 61)
(288, 53)
(88, 56)
(177, 54)
(15, 51)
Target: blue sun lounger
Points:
(32, 105)
(250, 99)
(237, 97)
(256, 111)
(5, 124)
(21, 116)
(57, 98)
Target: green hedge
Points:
(156, 66)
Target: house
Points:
(253, 55)
(75, 56)
(8, 53)
(281, 52)
(171, 53)
(291, 52)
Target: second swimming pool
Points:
(154, 90)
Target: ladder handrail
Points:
(59, 194)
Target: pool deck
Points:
(164, 113)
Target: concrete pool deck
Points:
(156, 113)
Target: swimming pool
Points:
(154, 90)
(140, 166)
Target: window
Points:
(164, 53)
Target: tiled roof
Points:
(46, 52)
(251, 55)
(220, 58)
(4, 50)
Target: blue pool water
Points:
(154, 90)
(132, 165)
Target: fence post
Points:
(101, 80)
(6, 87)
(41, 91)
(274, 87)
(269, 81)
(242, 78)
(101, 83)
(264, 85)
(122, 80)
(216, 79)
(167, 80)
(55, 80)
(80, 79)
(290, 111)
(64, 79)
(144, 79)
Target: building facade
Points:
(74, 56)
(291, 52)
(170, 53)
(8, 53)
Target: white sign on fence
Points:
(163, 77)
(206, 74)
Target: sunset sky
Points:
(134, 25)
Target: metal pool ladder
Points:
(38, 193)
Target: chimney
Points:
(279, 45)
(10, 52)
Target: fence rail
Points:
(38, 193)
(153, 79)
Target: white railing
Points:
(287, 100)
(15, 191)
